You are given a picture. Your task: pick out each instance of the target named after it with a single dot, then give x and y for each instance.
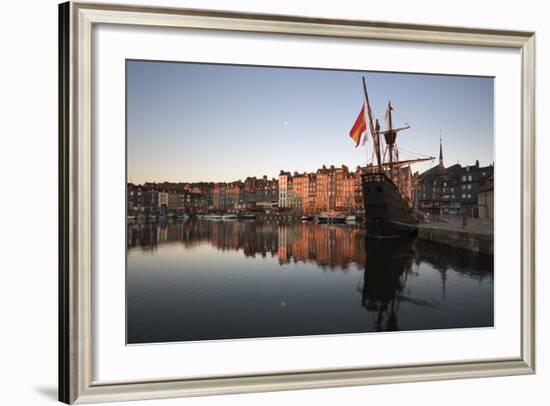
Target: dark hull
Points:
(387, 215)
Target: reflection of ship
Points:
(390, 263)
(387, 208)
(386, 268)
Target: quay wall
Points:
(481, 242)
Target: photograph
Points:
(267, 202)
(212, 203)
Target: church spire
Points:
(440, 150)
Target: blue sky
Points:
(199, 122)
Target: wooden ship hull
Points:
(387, 214)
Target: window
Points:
(469, 177)
(463, 178)
(463, 187)
(469, 187)
(463, 196)
(469, 196)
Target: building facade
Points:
(485, 199)
(327, 189)
(451, 190)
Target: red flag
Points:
(359, 127)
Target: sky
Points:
(189, 122)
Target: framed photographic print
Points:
(265, 202)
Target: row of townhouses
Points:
(464, 190)
(453, 190)
(329, 188)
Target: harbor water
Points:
(228, 279)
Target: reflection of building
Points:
(327, 246)
(485, 199)
(451, 190)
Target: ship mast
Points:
(390, 139)
(374, 133)
(390, 136)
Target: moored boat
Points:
(351, 218)
(331, 218)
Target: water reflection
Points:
(327, 246)
(201, 279)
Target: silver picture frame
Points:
(76, 21)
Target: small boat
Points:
(212, 217)
(131, 217)
(331, 218)
(249, 216)
(305, 218)
(183, 216)
(230, 216)
(351, 218)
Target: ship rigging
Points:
(388, 210)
